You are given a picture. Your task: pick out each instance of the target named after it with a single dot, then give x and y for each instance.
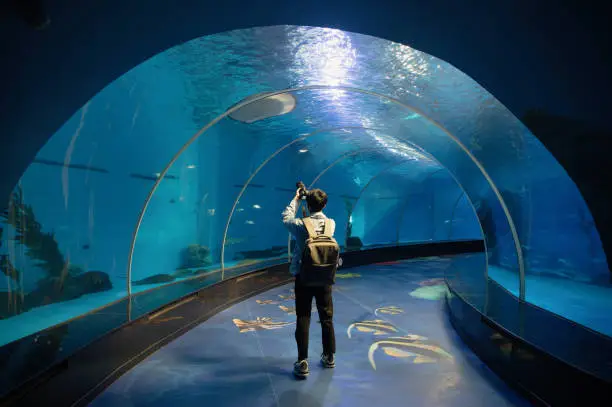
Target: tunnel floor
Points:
(395, 347)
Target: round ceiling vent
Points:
(261, 109)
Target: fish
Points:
(259, 324)
(348, 275)
(287, 297)
(266, 302)
(415, 347)
(391, 310)
(288, 310)
(376, 326)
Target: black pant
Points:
(325, 307)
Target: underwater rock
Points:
(156, 279)
(181, 273)
(93, 282)
(51, 290)
(75, 270)
(274, 251)
(195, 255)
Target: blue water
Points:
(395, 167)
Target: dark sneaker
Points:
(328, 362)
(300, 369)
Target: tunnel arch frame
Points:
(262, 165)
(405, 205)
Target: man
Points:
(316, 200)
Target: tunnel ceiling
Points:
(339, 93)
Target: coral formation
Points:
(195, 255)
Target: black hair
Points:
(316, 200)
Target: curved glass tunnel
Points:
(154, 181)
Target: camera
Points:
(303, 192)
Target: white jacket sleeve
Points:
(289, 220)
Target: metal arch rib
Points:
(450, 226)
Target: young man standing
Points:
(316, 200)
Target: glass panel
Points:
(558, 282)
(272, 189)
(467, 276)
(416, 216)
(346, 176)
(382, 201)
(449, 201)
(464, 224)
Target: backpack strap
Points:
(327, 228)
(309, 227)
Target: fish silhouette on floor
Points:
(259, 324)
(287, 297)
(415, 348)
(389, 310)
(266, 302)
(376, 326)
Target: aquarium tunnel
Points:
(171, 181)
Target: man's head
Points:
(316, 200)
